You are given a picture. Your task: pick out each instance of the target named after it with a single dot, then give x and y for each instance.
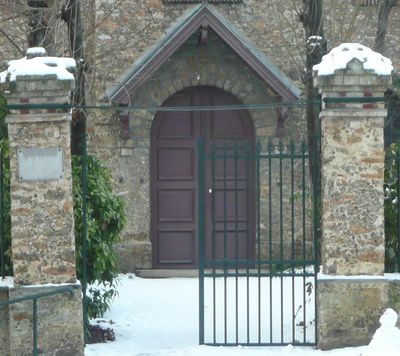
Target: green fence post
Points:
(316, 181)
(397, 165)
(84, 236)
(2, 242)
(201, 237)
(35, 328)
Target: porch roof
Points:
(179, 31)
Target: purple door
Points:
(174, 179)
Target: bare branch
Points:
(15, 45)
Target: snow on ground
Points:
(386, 340)
(247, 298)
(159, 317)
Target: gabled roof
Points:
(178, 33)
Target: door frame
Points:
(247, 119)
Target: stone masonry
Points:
(271, 25)
(353, 241)
(42, 230)
(119, 32)
(42, 205)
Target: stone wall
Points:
(125, 29)
(272, 26)
(59, 323)
(352, 307)
(352, 186)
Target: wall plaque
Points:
(40, 163)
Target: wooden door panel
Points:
(234, 210)
(183, 201)
(230, 205)
(177, 126)
(230, 244)
(175, 163)
(174, 185)
(227, 126)
(168, 255)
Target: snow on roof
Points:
(341, 56)
(39, 65)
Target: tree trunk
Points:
(316, 47)
(71, 14)
(385, 6)
(39, 33)
(392, 123)
(90, 48)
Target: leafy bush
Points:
(391, 188)
(105, 221)
(6, 218)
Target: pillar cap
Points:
(353, 70)
(36, 65)
(353, 58)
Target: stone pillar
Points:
(352, 291)
(43, 243)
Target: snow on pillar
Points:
(42, 226)
(352, 169)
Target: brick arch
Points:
(168, 90)
(178, 85)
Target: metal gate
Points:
(257, 276)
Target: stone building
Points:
(149, 53)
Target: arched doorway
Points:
(174, 176)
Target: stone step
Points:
(167, 273)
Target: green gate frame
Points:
(271, 267)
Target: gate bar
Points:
(201, 213)
(2, 237)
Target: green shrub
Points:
(6, 218)
(105, 221)
(391, 189)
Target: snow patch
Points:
(7, 282)
(339, 57)
(77, 283)
(314, 39)
(3, 76)
(39, 65)
(159, 317)
(386, 276)
(389, 318)
(36, 52)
